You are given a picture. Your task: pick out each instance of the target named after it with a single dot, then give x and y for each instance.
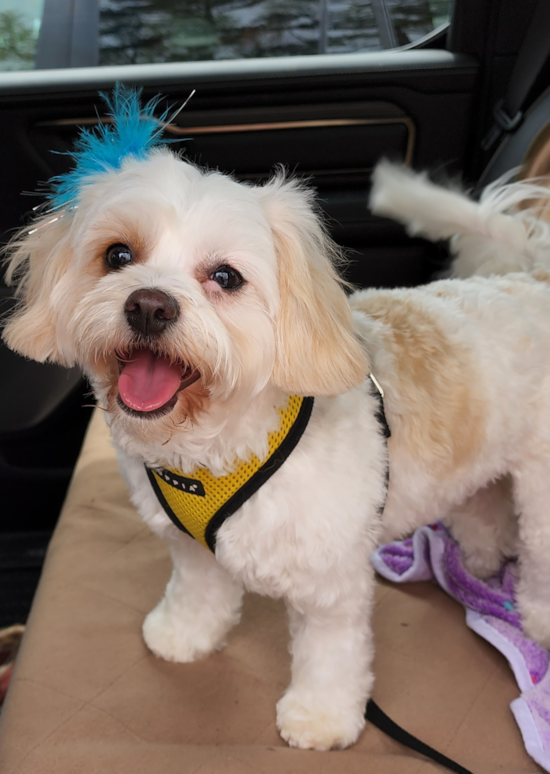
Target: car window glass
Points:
(19, 28)
(141, 31)
(73, 33)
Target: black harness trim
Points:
(270, 466)
(162, 500)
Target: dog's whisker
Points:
(173, 117)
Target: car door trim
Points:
(184, 131)
(425, 64)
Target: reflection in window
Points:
(142, 31)
(412, 19)
(19, 27)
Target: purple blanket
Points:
(432, 554)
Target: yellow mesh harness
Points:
(199, 503)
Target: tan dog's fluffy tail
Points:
(504, 232)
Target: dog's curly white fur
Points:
(465, 366)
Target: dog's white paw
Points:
(315, 725)
(180, 636)
(482, 563)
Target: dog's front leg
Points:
(332, 679)
(199, 607)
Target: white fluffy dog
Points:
(197, 305)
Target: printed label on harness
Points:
(188, 485)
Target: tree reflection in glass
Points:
(142, 31)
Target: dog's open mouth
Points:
(149, 383)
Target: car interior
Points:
(327, 110)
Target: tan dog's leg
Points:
(486, 526)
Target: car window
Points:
(66, 33)
(142, 31)
(19, 28)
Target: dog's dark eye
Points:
(117, 256)
(227, 277)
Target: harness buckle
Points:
(376, 383)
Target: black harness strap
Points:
(373, 713)
(270, 466)
(378, 393)
(378, 718)
(380, 414)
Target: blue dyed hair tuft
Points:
(133, 132)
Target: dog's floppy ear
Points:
(317, 351)
(36, 261)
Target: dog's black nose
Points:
(150, 311)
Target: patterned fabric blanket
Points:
(432, 554)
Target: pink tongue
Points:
(148, 381)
